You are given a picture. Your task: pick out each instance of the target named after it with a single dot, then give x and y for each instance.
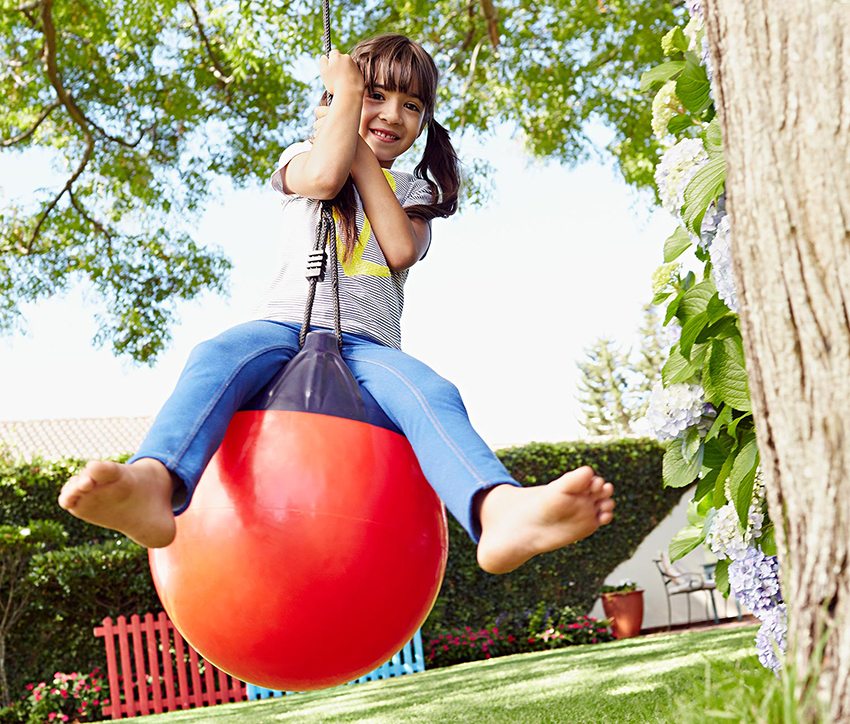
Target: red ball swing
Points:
(296, 569)
(314, 548)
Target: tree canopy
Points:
(144, 104)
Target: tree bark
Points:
(782, 89)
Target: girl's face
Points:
(390, 122)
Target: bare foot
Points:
(519, 523)
(134, 499)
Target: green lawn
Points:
(661, 678)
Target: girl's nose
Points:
(391, 112)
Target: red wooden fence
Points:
(154, 670)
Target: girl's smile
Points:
(390, 122)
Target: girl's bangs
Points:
(400, 68)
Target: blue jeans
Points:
(226, 371)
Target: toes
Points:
(578, 481)
(596, 485)
(606, 506)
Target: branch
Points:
(81, 210)
(29, 7)
(74, 111)
(6, 142)
(492, 18)
(219, 72)
(121, 141)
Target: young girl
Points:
(383, 99)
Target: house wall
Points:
(641, 569)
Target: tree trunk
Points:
(782, 89)
(4, 683)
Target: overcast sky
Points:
(504, 305)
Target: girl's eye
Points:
(412, 107)
(375, 96)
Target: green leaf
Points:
(703, 189)
(717, 451)
(725, 327)
(696, 299)
(676, 471)
(742, 477)
(660, 74)
(721, 577)
(692, 85)
(720, 487)
(691, 444)
(672, 308)
(678, 369)
(741, 419)
(679, 123)
(705, 486)
(676, 243)
(716, 309)
(685, 541)
(767, 542)
(676, 40)
(690, 331)
(713, 138)
(724, 417)
(725, 376)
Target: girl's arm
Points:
(321, 172)
(403, 239)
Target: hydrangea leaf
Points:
(691, 444)
(692, 85)
(767, 542)
(742, 477)
(679, 369)
(685, 541)
(702, 190)
(696, 299)
(676, 243)
(676, 471)
(712, 139)
(725, 375)
(720, 486)
(724, 417)
(660, 74)
(679, 123)
(690, 331)
(721, 577)
(717, 451)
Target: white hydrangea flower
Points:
(720, 252)
(713, 215)
(665, 105)
(695, 9)
(674, 409)
(664, 276)
(725, 538)
(675, 170)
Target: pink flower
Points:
(51, 716)
(30, 687)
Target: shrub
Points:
(571, 576)
(543, 629)
(68, 697)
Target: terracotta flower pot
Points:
(625, 610)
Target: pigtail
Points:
(441, 169)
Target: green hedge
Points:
(101, 573)
(573, 575)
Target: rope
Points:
(325, 233)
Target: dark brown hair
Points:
(398, 64)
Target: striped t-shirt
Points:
(371, 294)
